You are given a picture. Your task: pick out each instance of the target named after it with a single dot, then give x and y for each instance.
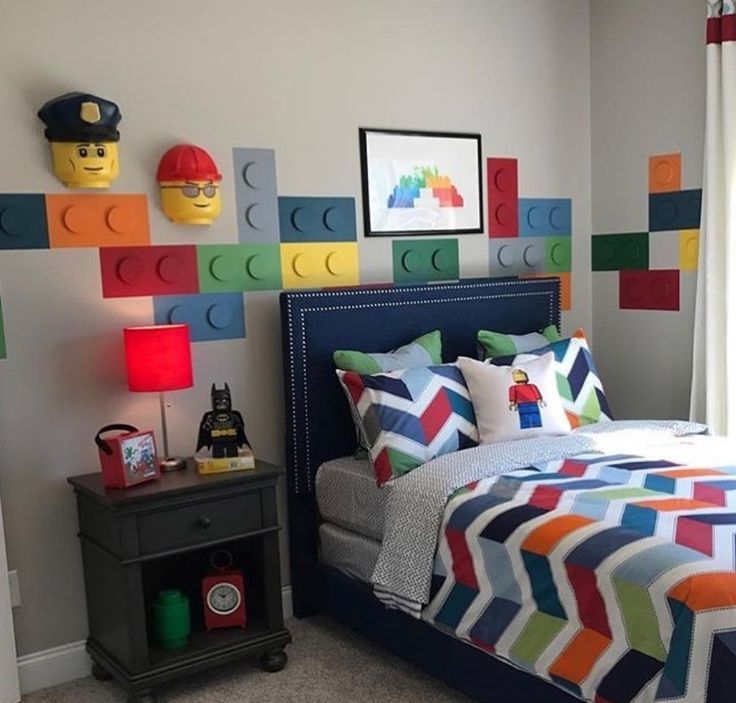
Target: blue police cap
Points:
(81, 117)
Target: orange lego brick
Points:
(665, 173)
(97, 220)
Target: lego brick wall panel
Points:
(665, 173)
(23, 221)
(239, 267)
(517, 256)
(614, 252)
(558, 254)
(157, 270)
(503, 197)
(565, 290)
(97, 220)
(319, 265)
(689, 241)
(649, 290)
(540, 217)
(210, 316)
(256, 197)
(304, 219)
(417, 260)
(675, 210)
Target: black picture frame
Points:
(380, 221)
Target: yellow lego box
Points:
(243, 462)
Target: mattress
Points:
(351, 553)
(347, 496)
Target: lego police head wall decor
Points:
(190, 185)
(82, 130)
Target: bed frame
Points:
(319, 427)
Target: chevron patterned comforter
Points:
(611, 576)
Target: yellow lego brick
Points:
(319, 265)
(689, 239)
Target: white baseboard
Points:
(53, 666)
(70, 661)
(287, 607)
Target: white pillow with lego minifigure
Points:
(515, 402)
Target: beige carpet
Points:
(327, 664)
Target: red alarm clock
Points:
(223, 593)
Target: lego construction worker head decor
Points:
(190, 185)
(83, 132)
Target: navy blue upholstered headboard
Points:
(374, 319)
(315, 323)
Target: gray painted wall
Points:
(647, 97)
(298, 77)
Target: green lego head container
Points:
(171, 620)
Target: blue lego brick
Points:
(545, 217)
(677, 210)
(210, 316)
(516, 256)
(256, 197)
(23, 223)
(317, 219)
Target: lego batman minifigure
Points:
(222, 429)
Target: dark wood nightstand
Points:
(141, 540)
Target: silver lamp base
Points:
(171, 463)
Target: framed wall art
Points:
(420, 182)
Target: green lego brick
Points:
(238, 267)
(3, 351)
(620, 252)
(421, 260)
(558, 254)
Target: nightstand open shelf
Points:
(184, 571)
(203, 643)
(140, 541)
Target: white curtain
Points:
(713, 398)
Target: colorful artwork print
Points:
(420, 182)
(425, 187)
(139, 457)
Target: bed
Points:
(333, 550)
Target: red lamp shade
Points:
(158, 357)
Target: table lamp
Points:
(159, 359)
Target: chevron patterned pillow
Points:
(580, 386)
(411, 416)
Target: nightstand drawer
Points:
(199, 523)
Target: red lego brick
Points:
(503, 197)
(649, 290)
(165, 270)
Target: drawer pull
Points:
(204, 522)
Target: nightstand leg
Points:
(100, 673)
(273, 660)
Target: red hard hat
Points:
(187, 162)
